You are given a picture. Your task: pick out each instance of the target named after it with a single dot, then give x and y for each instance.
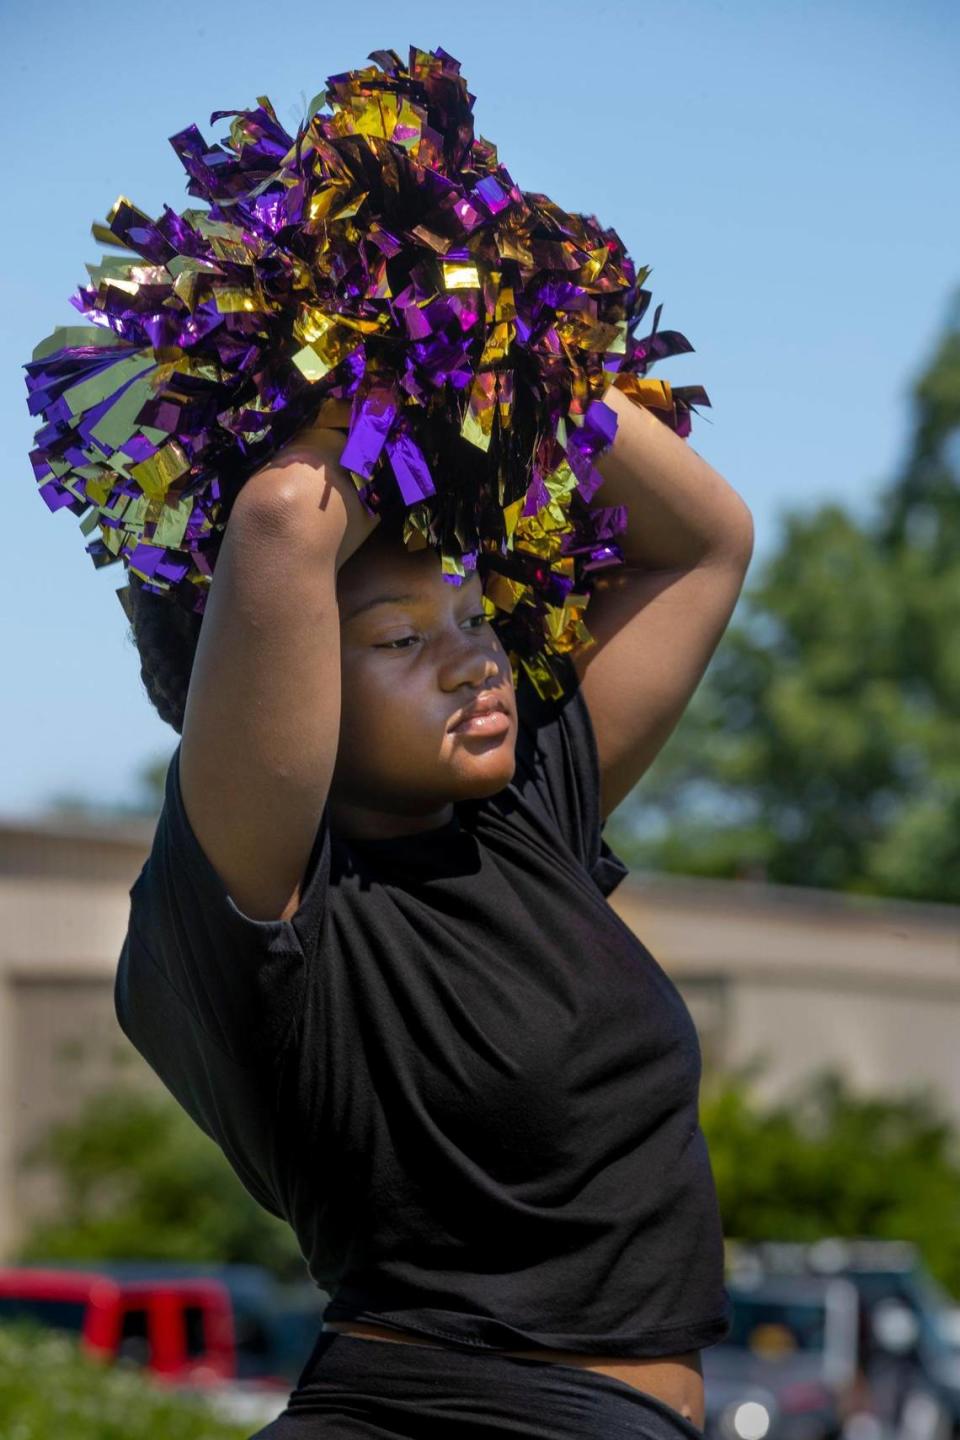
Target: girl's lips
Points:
(495, 722)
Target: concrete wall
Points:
(809, 978)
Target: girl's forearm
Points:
(680, 511)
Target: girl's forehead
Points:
(384, 565)
(399, 578)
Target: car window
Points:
(195, 1338)
(755, 1323)
(60, 1314)
(134, 1339)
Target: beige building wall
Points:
(808, 978)
(888, 1042)
(805, 978)
(63, 913)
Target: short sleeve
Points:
(557, 760)
(237, 1106)
(240, 980)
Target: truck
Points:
(181, 1330)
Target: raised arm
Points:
(262, 716)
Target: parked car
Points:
(196, 1332)
(788, 1367)
(908, 1357)
(275, 1324)
(180, 1330)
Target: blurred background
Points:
(789, 172)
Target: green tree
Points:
(924, 501)
(824, 1160)
(823, 747)
(139, 1180)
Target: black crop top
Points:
(455, 1071)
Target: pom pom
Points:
(380, 273)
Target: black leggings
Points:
(361, 1389)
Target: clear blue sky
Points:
(788, 170)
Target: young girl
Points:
(371, 954)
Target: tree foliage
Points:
(824, 1160)
(139, 1180)
(823, 746)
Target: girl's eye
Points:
(391, 644)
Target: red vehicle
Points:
(180, 1330)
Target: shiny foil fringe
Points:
(380, 273)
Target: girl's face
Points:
(409, 665)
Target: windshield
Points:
(770, 1327)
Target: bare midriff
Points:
(677, 1380)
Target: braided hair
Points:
(165, 633)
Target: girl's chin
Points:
(486, 773)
